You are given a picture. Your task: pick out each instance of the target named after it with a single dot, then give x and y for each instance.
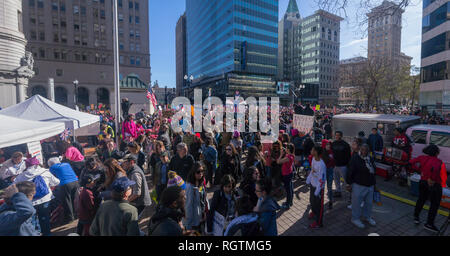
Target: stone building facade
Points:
(16, 64)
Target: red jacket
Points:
(430, 167)
(86, 205)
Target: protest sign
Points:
(303, 124)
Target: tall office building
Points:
(385, 34)
(15, 63)
(435, 82)
(349, 85)
(320, 44)
(289, 41)
(73, 40)
(232, 46)
(181, 69)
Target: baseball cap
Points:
(122, 184)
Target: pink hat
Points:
(294, 132)
(236, 134)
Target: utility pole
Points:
(116, 69)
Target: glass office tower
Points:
(232, 38)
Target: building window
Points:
(59, 72)
(102, 14)
(41, 53)
(138, 61)
(121, 59)
(33, 35)
(136, 6)
(63, 39)
(132, 47)
(130, 5)
(130, 19)
(62, 7)
(131, 33)
(40, 3)
(42, 35)
(136, 19)
(84, 57)
(132, 61)
(120, 45)
(120, 17)
(83, 10)
(63, 55)
(55, 37)
(31, 3)
(76, 10)
(54, 6)
(120, 3)
(138, 34)
(138, 47)
(97, 58)
(63, 24)
(19, 18)
(77, 56)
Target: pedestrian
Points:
(328, 158)
(117, 217)
(94, 167)
(254, 158)
(248, 185)
(246, 223)
(113, 172)
(16, 212)
(266, 207)
(196, 201)
(160, 175)
(87, 204)
(286, 160)
(164, 137)
(316, 180)
(210, 160)
(362, 136)
(71, 155)
(110, 151)
(11, 168)
(182, 162)
(140, 196)
(342, 153)
(361, 178)
(125, 106)
(237, 141)
(230, 164)
(68, 185)
(44, 181)
(129, 130)
(168, 215)
(375, 141)
(223, 203)
(155, 157)
(430, 185)
(135, 150)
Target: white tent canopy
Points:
(38, 108)
(15, 131)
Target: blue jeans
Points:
(43, 215)
(289, 187)
(362, 194)
(330, 175)
(338, 172)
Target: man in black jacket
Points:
(182, 162)
(361, 176)
(166, 220)
(341, 153)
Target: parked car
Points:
(424, 135)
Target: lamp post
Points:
(188, 80)
(301, 88)
(75, 94)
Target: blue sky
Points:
(164, 16)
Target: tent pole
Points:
(116, 71)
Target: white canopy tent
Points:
(38, 108)
(15, 131)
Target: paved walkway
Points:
(393, 218)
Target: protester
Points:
(140, 196)
(286, 159)
(230, 164)
(182, 162)
(16, 213)
(135, 150)
(129, 130)
(94, 167)
(429, 186)
(196, 201)
(342, 153)
(175, 180)
(170, 211)
(71, 155)
(246, 223)
(210, 160)
(361, 178)
(111, 151)
(266, 207)
(44, 181)
(11, 168)
(160, 174)
(237, 141)
(164, 136)
(375, 141)
(316, 180)
(68, 185)
(88, 203)
(248, 185)
(113, 172)
(156, 155)
(117, 217)
(223, 202)
(254, 158)
(328, 158)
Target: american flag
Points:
(151, 97)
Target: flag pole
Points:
(116, 70)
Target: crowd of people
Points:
(109, 190)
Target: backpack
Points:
(41, 187)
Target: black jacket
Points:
(164, 137)
(165, 222)
(182, 166)
(116, 154)
(227, 168)
(248, 188)
(359, 173)
(218, 203)
(341, 152)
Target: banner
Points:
(303, 124)
(35, 150)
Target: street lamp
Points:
(75, 95)
(188, 80)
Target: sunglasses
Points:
(259, 191)
(198, 172)
(228, 149)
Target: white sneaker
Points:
(358, 223)
(349, 206)
(372, 222)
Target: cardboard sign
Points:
(317, 107)
(303, 124)
(35, 150)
